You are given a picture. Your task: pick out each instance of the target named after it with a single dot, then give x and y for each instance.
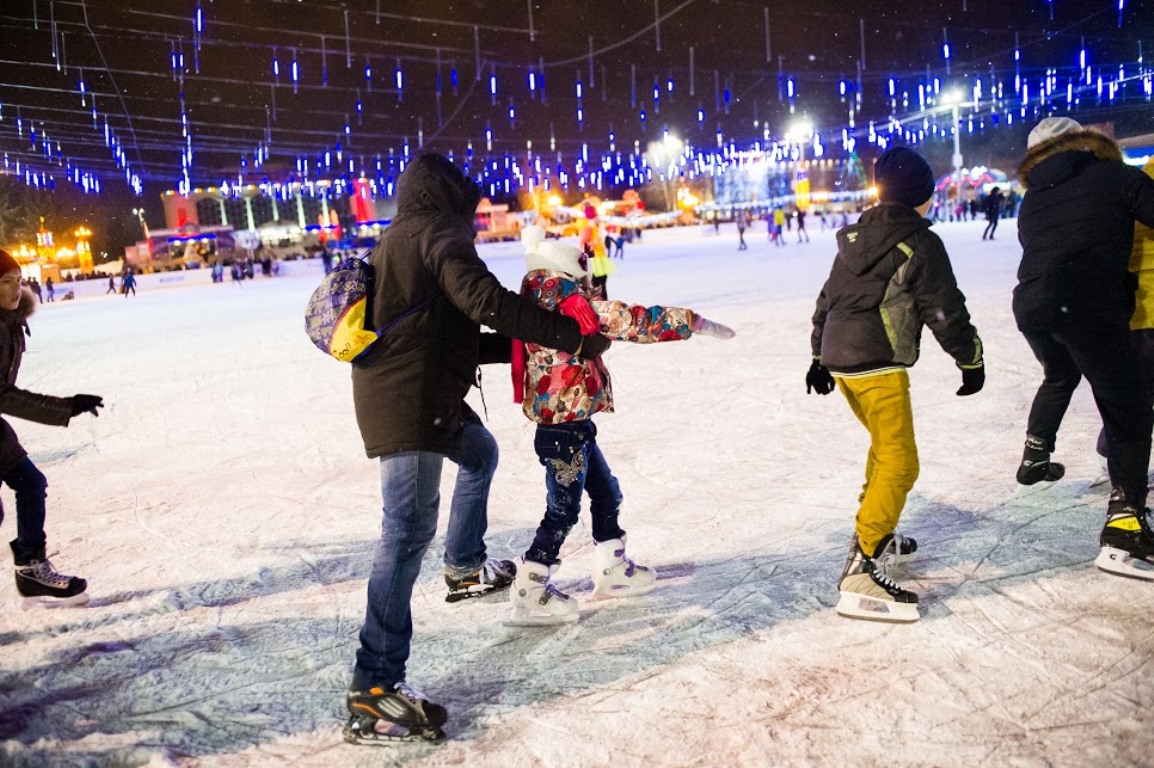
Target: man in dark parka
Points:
(1073, 303)
(409, 394)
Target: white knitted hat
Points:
(531, 237)
(1050, 128)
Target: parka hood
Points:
(1065, 156)
(431, 184)
(862, 245)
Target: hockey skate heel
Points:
(615, 575)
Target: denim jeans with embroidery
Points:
(573, 464)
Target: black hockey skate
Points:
(867, 592)
(379, 717)
(1036, 466)
(489, 577)
(1127, 540)
(40, 585)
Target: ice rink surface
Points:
(225, 515)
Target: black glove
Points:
(818, 379)
(973, 379)
(86, 404)
(592, 346)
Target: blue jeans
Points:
(573, 464)
(30, 486)
(410, 489)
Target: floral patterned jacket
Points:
(560, 387)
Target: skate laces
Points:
(43, 572)
(490, 571)
(881, 574)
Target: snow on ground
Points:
(225, 515)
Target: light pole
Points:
(662, 155)
(144, 226)
(800, 133)
(953, 100)
(139, 212)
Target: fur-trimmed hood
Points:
(1086, 140)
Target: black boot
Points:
(1036, 466)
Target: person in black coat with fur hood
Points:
(1073, 303)
(36, 580)
(409, 393)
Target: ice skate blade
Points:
(855, 606)
(42, 601)
(621, 590)
(1122, 563)
(519, 617)
(458, 597)
(392, 736)
(1022, 491)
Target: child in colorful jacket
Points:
(561, 392)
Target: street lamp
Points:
(800, 133)
(139, 212)
(662, 155)
(953, 100)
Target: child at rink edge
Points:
(36, 580)
(561, 392)
(891, 277)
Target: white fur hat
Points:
(1050, 128)
(555, 255)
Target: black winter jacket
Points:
(890, 277)
(409, 390)
(1076, 227)
(44, 409)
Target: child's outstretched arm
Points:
(647, 325)
(707, 327)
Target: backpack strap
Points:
(407, 313)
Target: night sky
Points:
(245, 120)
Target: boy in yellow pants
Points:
(890, 278)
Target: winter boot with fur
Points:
(867, 592)
(615, 575)
(40, 585)
(536, 602)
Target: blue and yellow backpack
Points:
(339, 312)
